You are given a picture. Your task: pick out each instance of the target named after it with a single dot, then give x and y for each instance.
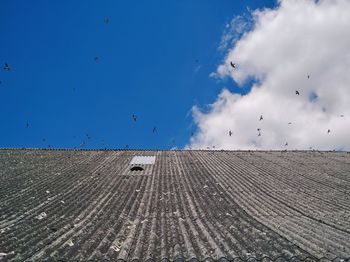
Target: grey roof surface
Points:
(215, 205)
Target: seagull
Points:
(261, 118)
(134, 117)
(27, 125)
(286, 144)
(259, 134)
(328, 131)
(233, 65)
(154, 130)
(308, 76)
(289, 123)
(258, 129)
(6, 67)
(297, 92)
(230, 133)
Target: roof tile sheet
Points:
(214, 205)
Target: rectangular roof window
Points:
(143, 160)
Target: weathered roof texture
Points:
(214, 205)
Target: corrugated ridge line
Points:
(204, 228)
(231, 175)
(267, 202)
(115, 186)
(212, 166)
(101, 242)
(284, 160)
(44, 181)
(102, 231)
(44, 195)
(224, 244)
(135, 204)
(315, 205)
(305, 164)
(318, 163)
(306, 210)
(79, 213)
(25, 171)
(171, 150)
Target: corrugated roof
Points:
(81, 205)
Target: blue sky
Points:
(155, 58)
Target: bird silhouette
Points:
(297, 92)
(261, 118)
(308, 76)
(328, 131)
(233, 65)
(230, 133)
(96, 58)
(289, 123)
(88, 136)
(134, 117)
(341, 115)
(258, 129)
(259, 134)
(286, 144)
(27, 125)
(154, 130)
(6, 67)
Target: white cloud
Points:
(286, 44)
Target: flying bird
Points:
(289, 123)
(27, 125)
(286, 144)
(134, 117)
(233, 64)
(328, 131)
(259, 134)
(230, 133)
(258, 129)
(154, 130)
(297, 92)
(6, 67)
(308, 76)
(261, 118)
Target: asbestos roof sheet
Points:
(203, 205)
